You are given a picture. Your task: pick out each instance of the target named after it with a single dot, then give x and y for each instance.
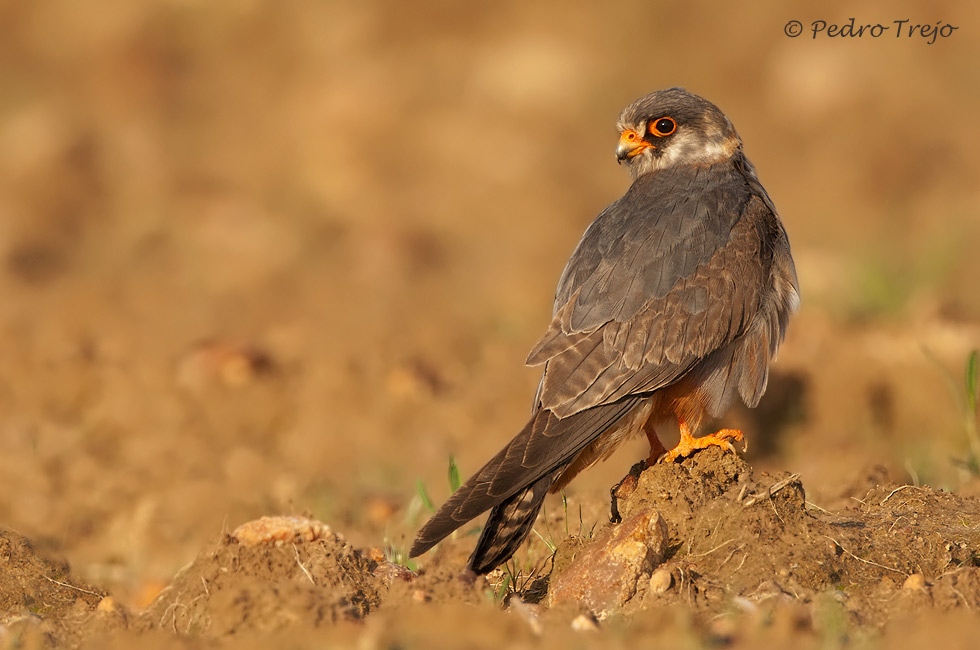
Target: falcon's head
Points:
(673, 127)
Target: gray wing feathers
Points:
(759, 346)
(665, 307)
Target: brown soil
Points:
(286, 258)
(748, 557)
(756, 541)
(40, 601)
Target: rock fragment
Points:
(604, 576)
(282, 530)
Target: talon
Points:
(688, 444)
(623, 490)
(614, 516)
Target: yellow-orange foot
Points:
(689, 444)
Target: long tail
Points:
(509, 524)
(516, 480)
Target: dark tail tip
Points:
(509, 525)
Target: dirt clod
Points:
(737, 536)
(39, 596)
(234, 586)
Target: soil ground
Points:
(286, 259)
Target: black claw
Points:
(629, 482)
(614, 516)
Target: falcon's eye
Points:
(663, 126)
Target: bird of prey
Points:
(674, 301)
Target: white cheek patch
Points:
(685, 148)
(688, 148)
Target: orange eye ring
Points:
(662, 127)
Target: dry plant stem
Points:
(892, 493)
(710, 551)
(65, 584)
(769, 492)
(851, 555)
(810, 504)
(303, 568)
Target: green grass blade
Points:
(504, 585)
(453, 475)
(551, 545)
(971, 382)
(424, 496)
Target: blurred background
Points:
(262, 258)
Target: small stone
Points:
(767, 590)
(584, 623)
(661, 580)
(389, 572)
(272, 530)
(107, 605)
(914, 581)
(529, 613)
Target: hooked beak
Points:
(630, 144)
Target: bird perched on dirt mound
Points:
(674, 301)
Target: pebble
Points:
(107, 605)
(661, 580)
(584, 623)
(914, 581)
(282, 529)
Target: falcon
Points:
(674, 301)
